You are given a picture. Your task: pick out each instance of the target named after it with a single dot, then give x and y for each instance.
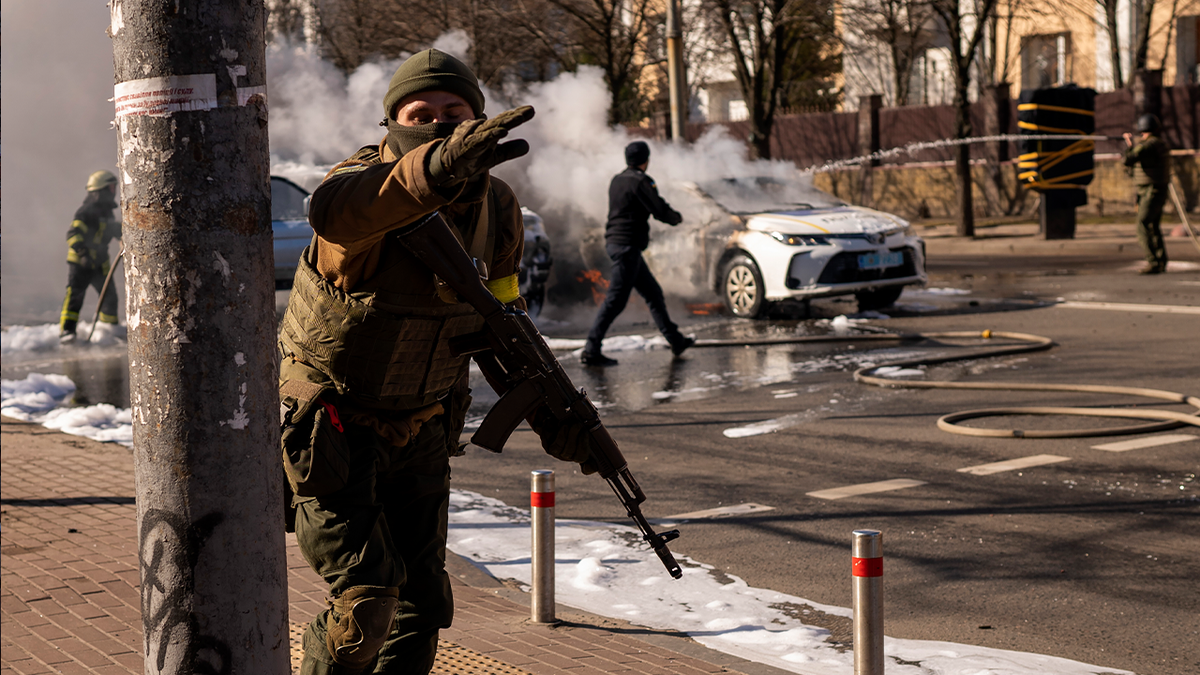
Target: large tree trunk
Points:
(192, 123)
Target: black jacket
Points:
(92, 229)
(632, 199)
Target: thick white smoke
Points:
(56, 63)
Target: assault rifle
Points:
(521, 368)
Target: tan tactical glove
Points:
(568, 442)
(475, 147)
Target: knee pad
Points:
(360, 623)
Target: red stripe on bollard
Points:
(867, 567)
(542, 500)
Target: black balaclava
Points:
(430, 70)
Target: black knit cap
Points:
(433, 70)
(637, 153)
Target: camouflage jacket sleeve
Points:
(360, 201)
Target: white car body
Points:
(831, 251)
(762, 240)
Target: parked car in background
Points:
(535, 264)
(289, 225)
(765, 240)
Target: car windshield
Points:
(287, 200)
(743, 196)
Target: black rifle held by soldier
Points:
(521, 368)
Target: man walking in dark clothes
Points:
(632, 199)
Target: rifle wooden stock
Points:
(519, 365)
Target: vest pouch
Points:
(315, 449)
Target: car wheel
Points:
(742, 287)
(878, 298)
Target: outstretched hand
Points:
(475, 147)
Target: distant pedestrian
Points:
(1150, 162)
(632, 199)
(88, 237)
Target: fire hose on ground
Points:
(1024, 343)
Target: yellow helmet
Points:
(100, 180)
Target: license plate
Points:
(878, 261)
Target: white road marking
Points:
(1145, 442)
(1129, 307)
(1012, 464)
(866, 488)
(735, 509)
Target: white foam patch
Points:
(897, 371)
(40, 398)
(18, 339)
(942, 291)
(616, 343)
(769, 426)
(605, 569)
(35, 395)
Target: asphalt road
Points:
(1091, 558)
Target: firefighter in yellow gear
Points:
(88, 237)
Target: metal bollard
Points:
(867, 565)
(541, 503)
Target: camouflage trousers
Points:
(1150, 201)
(386, 527)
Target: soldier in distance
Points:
(1149, 161)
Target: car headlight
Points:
(799, 239)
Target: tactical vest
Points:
(1154, 162)
(386, 345)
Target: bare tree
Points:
(966, 32)
(902, 29)
(611, 34)
(762, 36)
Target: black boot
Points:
(680, 346)
(596, 359)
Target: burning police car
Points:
(764, 240)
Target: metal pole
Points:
(541, 503)
(676, 79)
(191, 117)
(867, 566)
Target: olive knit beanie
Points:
(433, 70)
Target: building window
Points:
(1045, 60)
(1187, 50)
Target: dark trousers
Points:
(1150, 201)
(629, 273)
(78, 280)
(387, 527)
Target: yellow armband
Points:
(505, 288)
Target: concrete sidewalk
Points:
(1091, 240)
(71, 601)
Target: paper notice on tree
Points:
(161, 96)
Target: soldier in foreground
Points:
(88, 237)
(632, 199)
(1150, 161)
(373, 399)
